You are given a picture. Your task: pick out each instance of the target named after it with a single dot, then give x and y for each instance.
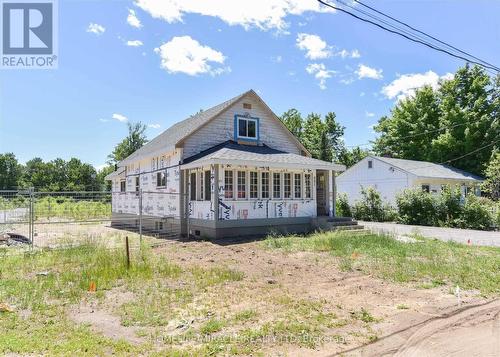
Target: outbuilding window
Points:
(123, 186)
(370, 164)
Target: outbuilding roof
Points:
(429, 169)
(233, 153)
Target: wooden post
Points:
(127, 250)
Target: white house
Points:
(391, 176)
(231, 170)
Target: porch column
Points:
(331, 196)
(214, 189)
(334, 190)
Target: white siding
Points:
(387, 180)
(221, 129)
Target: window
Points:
(228, 184)
(265, 185)
(254, 185)
(307, 184)
(276, 185)
(242, 184)
(161, 179)
(123, 186)
(137, 184)
(370, 164)
(247, 128)
(208, 188)
(287, 178)
(193, 186)
(297, 184)
(426, 188)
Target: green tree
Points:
(492, 174)
(417, 117)
(461, 116)
(332, 138)
(349, 157)
(135, 139)
(293, 121)
(102, 183)
(10, 171)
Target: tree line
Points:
(71, 175)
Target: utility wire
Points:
(408, 37)
(424, 33)
(415, 135)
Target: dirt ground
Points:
(409, 321)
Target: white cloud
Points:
(154, 126)
(102, 120)
(133, 20)
(100, 167)
(120, 117)
(355, 54)
(368, 72)
(316, 48)
(348, 54)
(406, 84)
(96, 29)
(262, 14)
(369, 114)
(186, 55)
(362, 94)
(320, 72)
(277, 59)
(134, 43)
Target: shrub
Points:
(417, 207)
(371, 207)
(475, 214)
(342, 206)
(448, 206)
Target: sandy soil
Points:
(433, 322)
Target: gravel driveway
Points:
(485, 238)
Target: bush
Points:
(417, 207)
(371, 207)
(475, 214)
(342, 206)
(448, 206)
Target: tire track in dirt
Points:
(468, 331)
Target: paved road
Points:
(491, 239)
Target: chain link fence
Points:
(55, 219)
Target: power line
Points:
(414, 135)
(424, 33)
(408, 37)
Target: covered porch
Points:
(236, 189)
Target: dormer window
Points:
(247, 128)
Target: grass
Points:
(428, 263)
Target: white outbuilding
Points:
(391, 176)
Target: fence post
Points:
(140, 218)
(32, 217)
(127, 251)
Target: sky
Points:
(159, 61)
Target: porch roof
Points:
(233, 153)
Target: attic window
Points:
(247, 106)
(370, 164)
(247, 128)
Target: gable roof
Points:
(178, 132)
(230, 152)
(429, 169)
